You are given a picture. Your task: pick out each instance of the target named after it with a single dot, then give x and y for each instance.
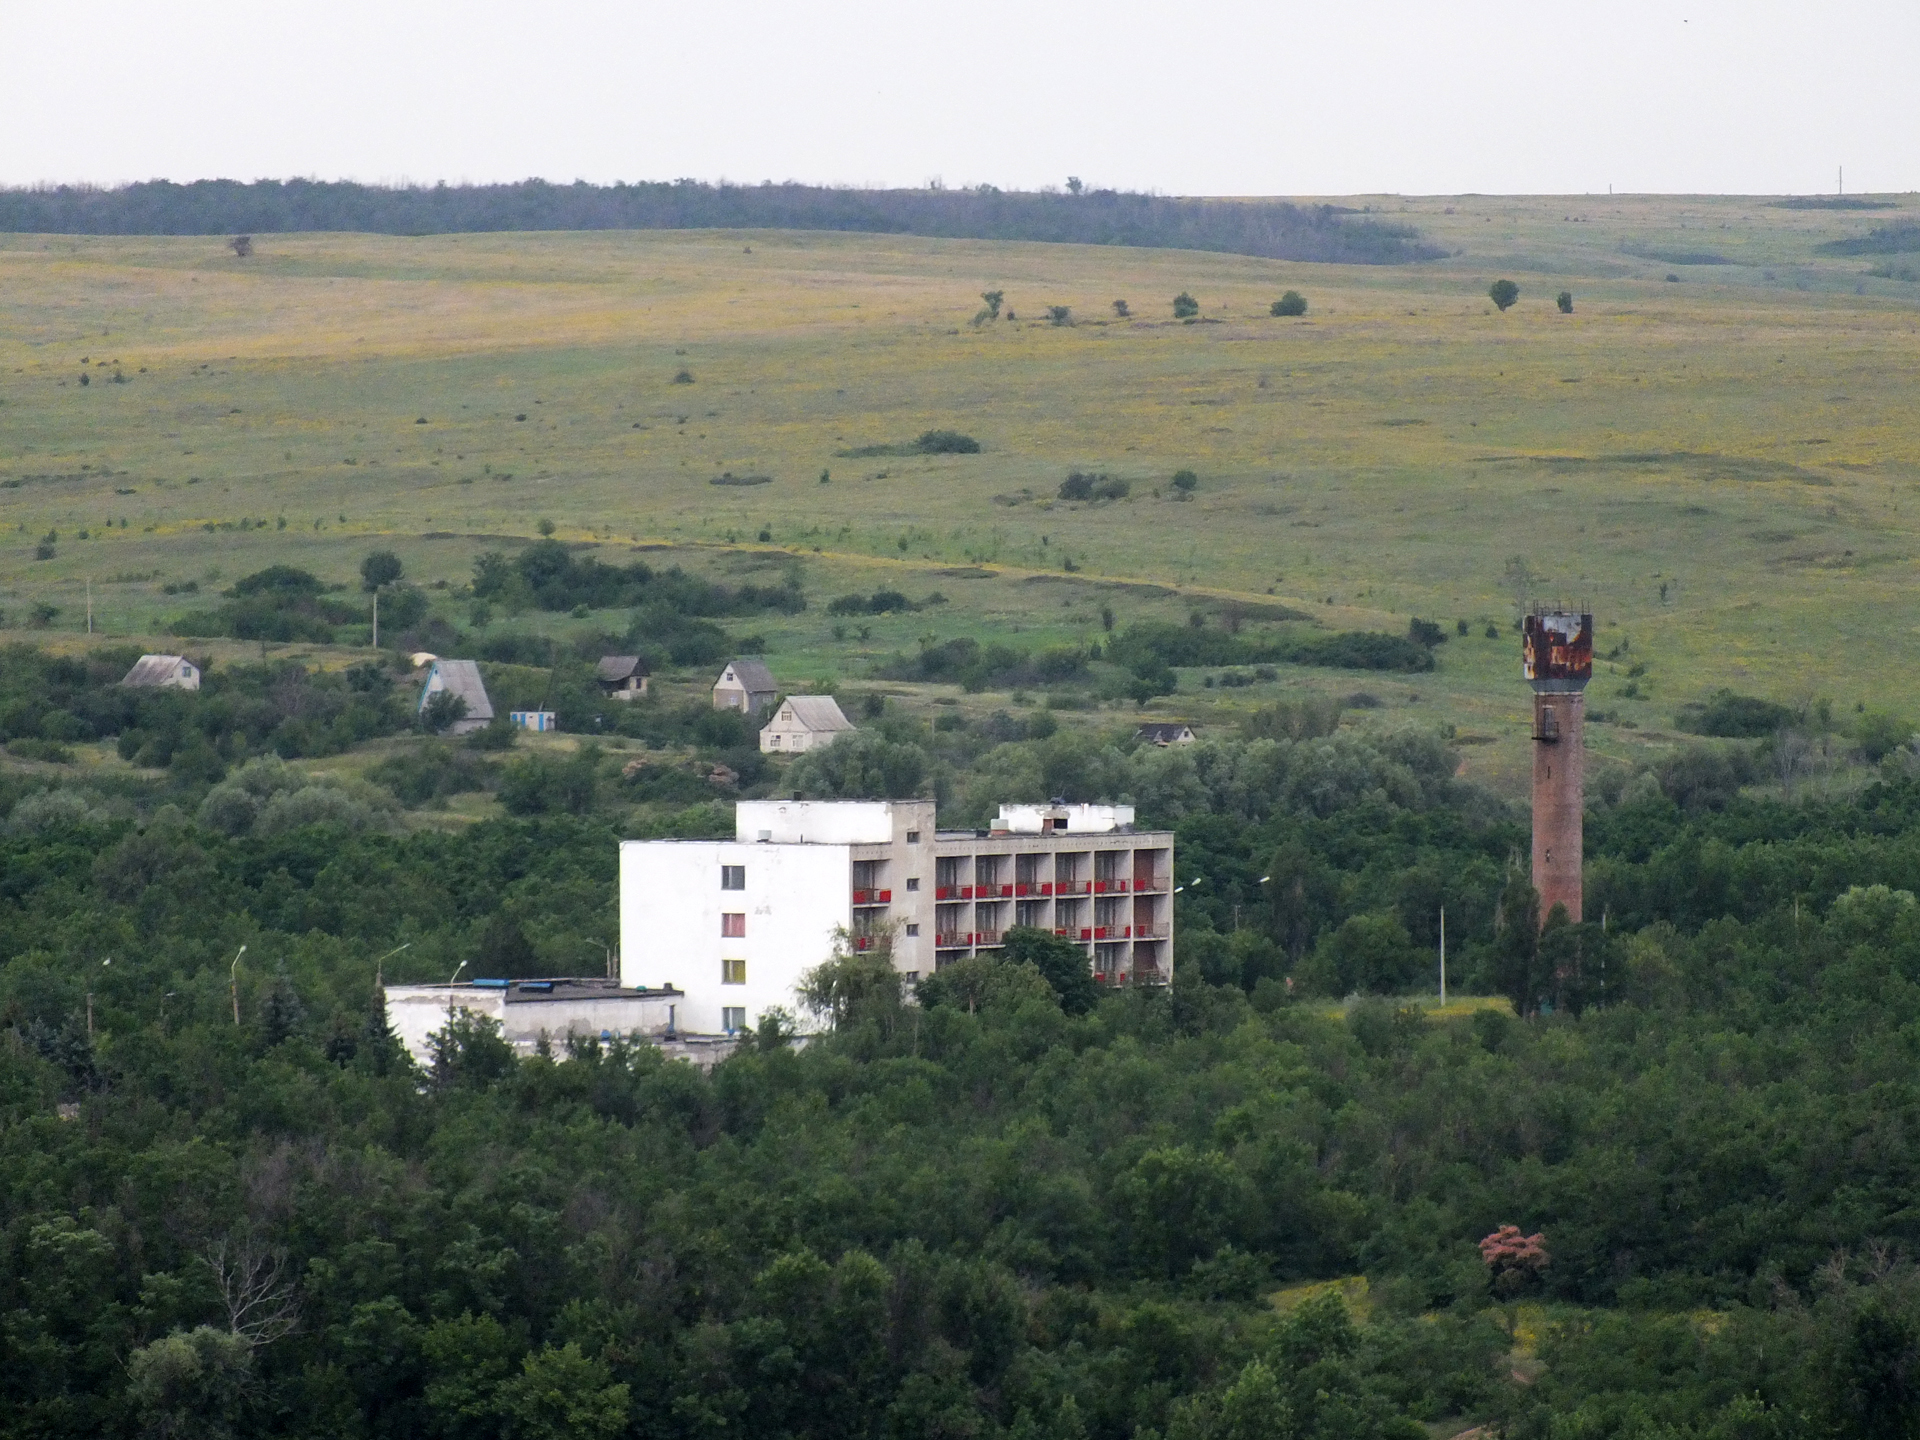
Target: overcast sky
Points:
(1201, 97)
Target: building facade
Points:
(735, 924)
(528, 1011)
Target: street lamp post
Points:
(233, 983)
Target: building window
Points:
(913, 930)
(733, 877)
(733, 925)
(913, 882)
(733, 972)
(733, 1017)
(913, 837)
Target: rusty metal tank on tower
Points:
(1557, 655)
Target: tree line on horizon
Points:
(1274, 229)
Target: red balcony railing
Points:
(1108, 932)
(955, 940)
(1070, 887)
(863, 942)
(989, 937)
(1150, 932)
(1149, 882)
(873, 897)
(1109, 887)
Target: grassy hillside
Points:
(1716, 461)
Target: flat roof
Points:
(546, 990)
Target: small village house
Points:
(622, 677)
(1169, 733)
(461, 678)
(745, 685)
(163, 672)
(803, 723)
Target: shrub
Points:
(1059, 314)
(881, 602)
(1426, 632)
(1878, 734)
(1185, 307)
(442, 711)
(52, 752)
(946, 442)
(1503, 293)
(315, 805)
(1565, 301)
(550, 785)
(862, 766)
(1733, 717)
(1185, 481)
(1293, 303)
(431, 772)
(1120, 310)
(683, 377)
(1088, 485)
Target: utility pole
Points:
(1443, 957)
(233, 983)
(89, 604)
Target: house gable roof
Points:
(752, 676)
(1165, 733)
(615, 668)
(462, 678)
(151, 670)
(818, 713)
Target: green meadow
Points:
(1715, 449)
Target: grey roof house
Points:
(803, 723)
(622, 676)
(462, 678)
(744, 685)
(163, 672)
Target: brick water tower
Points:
(1557, 652)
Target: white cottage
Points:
(803, 723)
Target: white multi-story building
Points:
(735, 924)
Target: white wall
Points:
(1080, 819)
(417, 1011)
(670, 908)
(825, 822)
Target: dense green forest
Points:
(1015, 1208)
(1096, 217)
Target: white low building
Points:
(529, 1011)
(803, 723)
(735, 924)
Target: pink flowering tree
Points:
(1513, 1260)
